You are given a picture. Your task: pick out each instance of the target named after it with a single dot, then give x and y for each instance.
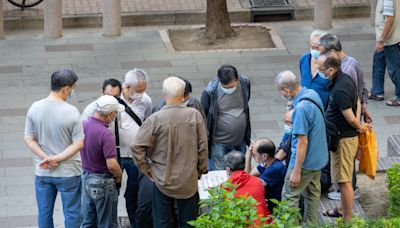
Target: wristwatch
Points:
(380, 40)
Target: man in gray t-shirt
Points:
(225, 103)
(53, 132)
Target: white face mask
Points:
(137, 96)
(71, 95)
(228, 91)
(315, 53)
(287, 129)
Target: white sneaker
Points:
(336, 194)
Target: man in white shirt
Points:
(134, 96)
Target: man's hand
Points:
(249, 151)
(50, 162)
(362, 130)
(367, 117)
(294, 180)
(379, 46)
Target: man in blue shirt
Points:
(309, 146)
(270, 169)
(308, 69)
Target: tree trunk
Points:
(323, 14)
(373, 8)
(218, 24)
(1, 20)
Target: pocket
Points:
(95, 192)
(69, 184)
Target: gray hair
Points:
(331, 42)
(132, 77)
(286, 80)
(173, 87)
(317, 32)
(235, 160)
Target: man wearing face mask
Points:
(133, 96)
(270, 169)
(101, 170)
(344, 110)
(309, 152)
(225, 103)
(308, 69)
(53, 132)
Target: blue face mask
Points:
(228, 91)
(71, 95)
(315, 53)
(322, 75)
(287, 129)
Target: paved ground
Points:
(27, 60)
(77, 7)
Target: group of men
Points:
(165, 150)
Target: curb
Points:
(181, 17)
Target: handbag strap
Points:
(312, 101)
(130, 112)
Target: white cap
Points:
(107, 103)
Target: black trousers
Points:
(143, 216)
(163, 210)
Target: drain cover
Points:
(268, 3)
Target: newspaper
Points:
(209, 180)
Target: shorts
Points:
(342, 161)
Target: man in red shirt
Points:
(247, 184)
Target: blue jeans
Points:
(218, 151)
(392, 56)
(131, 193)
(46, 191)
(378, 73)
(99, 200)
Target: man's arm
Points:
(202, 145)
(353, 120)
(302, 144)
(34, 147)
(141, 145)
(70, 151)
(115, 169)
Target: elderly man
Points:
(171, 149)
(387, 27)
(308, 69)
(53, 132)
(270, 170)
(344, 110)
(225, 102)
(138, 107)
(247, 184)
(101, 171)
(309, 152)
(349, 66)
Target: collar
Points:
(172, 106)
(339, 74)
(92, 119)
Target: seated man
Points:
(247, 184)
(270, 170)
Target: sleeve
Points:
(205, 102)
(271, 176)
(286, 146)
(260, 169)
(342, 100)
(77, 129)
(142, 144)
(300, 121)
(29, 126)
(149, 108)
(388, 8)
(109, 147)
(249, 88)
(202, 145)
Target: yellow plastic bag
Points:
(369, 153)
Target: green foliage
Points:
(357, 222)
(226, 211)
(393, 182)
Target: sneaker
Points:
(336, 194)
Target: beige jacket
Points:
(171, 147)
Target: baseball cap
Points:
(107, 103)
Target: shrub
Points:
(360, 223)
(393, 182)
(223, 209)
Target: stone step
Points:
(327, 204)
(384, 163)
(393, 145)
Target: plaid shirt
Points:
(351, 67)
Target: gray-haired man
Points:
(134, 97)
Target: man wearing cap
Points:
(101, 170)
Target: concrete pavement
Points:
(27, 60)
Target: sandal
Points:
(335, 213)
(393, 102)
(376, 97)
